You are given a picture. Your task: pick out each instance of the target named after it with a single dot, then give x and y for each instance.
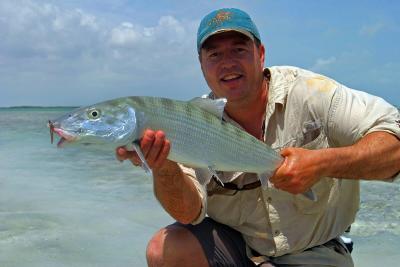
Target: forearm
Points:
(376, 156)
(176, 192)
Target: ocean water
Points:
(78, 207)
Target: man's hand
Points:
(300, 170)
(174, 189)
(155, 148)
(376, 156)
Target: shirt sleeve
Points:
(354, 114)
(201, 189)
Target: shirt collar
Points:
(277, 86)
(277, 92)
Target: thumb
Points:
(122, 154)
(286, 152)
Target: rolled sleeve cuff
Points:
(201, 189)
(389, 128)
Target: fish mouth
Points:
(65, 137)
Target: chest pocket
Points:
(312, 136)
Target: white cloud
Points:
(87, 20)
(323, 63)
(168, 31)
(46, 47)
(124, 35)
(43, 30)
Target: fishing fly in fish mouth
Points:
(102, 124)
(64, 136)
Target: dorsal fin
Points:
(215, 107)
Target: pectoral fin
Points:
(214, 173)
(145, 166)
(310, 195)
(204, 175)
(264, 179)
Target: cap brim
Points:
(244, 32)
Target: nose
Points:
(229, 59)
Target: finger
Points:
(279, 175)
(147, 141)
(120, 153)
(162, 156)
(156, 147)
(123, 154)
(285, 152)
(282, 185)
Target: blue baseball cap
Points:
(223, 20)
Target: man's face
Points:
(232, 65)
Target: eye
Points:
(240, 50)
(94, 114)
(213, 54)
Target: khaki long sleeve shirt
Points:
(306, 110)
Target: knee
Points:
(155, 248)
(173, 246)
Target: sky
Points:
(72, 53)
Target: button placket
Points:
(275, 223)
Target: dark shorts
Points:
(222, 245)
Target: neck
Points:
(250, 114)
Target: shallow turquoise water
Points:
(77, 207)
(69, 207)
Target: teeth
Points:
(231, 77)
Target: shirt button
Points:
(269, 199)
(277, 232)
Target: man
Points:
(331, 137)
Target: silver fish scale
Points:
(200, 139)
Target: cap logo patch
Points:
(219, 18)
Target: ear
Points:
(262, 55)
(201, 64)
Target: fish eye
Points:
(93, 114)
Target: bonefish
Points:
(199, 136)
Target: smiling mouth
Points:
(65, 137)
(231, 77)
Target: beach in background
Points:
(78, 207)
